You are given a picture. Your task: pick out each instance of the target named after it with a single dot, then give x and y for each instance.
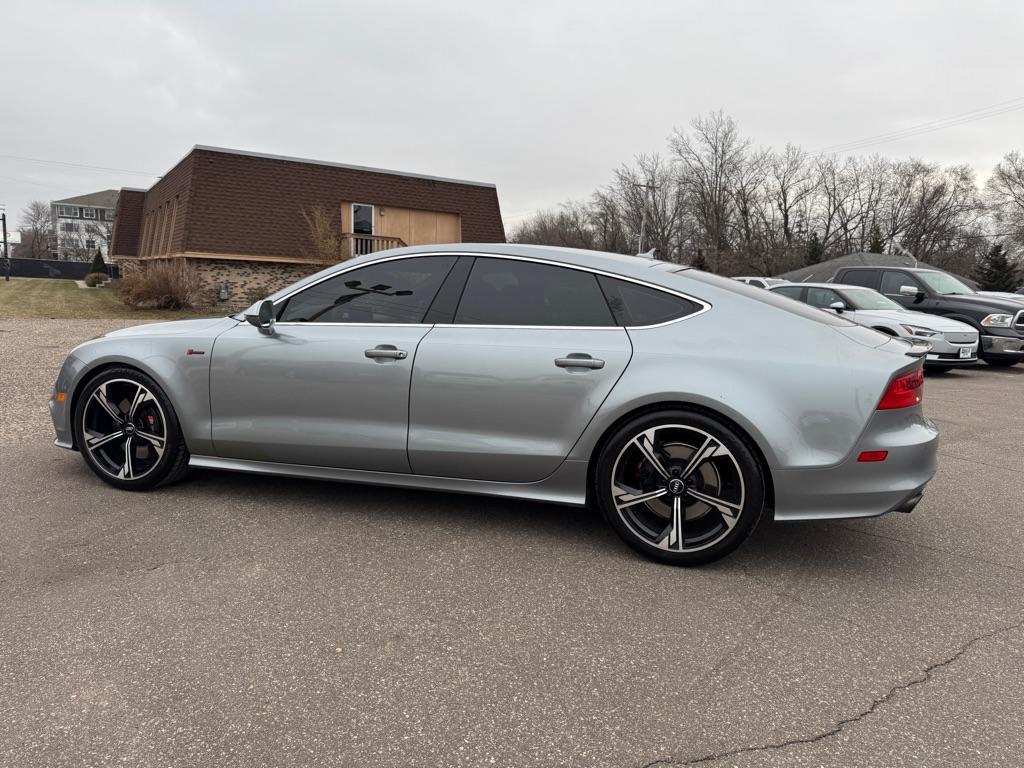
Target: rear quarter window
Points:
(635, 305)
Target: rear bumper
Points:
(865, 489)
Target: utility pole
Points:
(643, 215)
(7, 258)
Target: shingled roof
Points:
(106, 198)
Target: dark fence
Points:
(60, 270)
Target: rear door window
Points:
(793, 291)
(513, 292)
(865, 277)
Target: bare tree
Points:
(36, 230)
(1004, 193)
(326, 242)
(710, 156)
(733, 208)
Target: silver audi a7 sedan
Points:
(682, 404)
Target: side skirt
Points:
(567, 485)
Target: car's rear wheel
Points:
(127, 431)
(681, 487)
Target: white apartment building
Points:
(82, 224)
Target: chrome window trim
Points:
(704, 305)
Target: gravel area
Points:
(234, 621)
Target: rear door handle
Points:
(386, 352)
(579, 360)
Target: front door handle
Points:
(386, 352)
(579, 360)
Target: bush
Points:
(162, 285)
(95, 278)
(252, 295)
(98, 264)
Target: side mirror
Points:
(909, 290)
(838, 306)
(264, 318)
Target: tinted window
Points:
(892, 281)
(637, 305)
(506, 292)
(793, 291)
(865, 277)
(398, 291)
(822, 297)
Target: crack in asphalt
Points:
(838, 728)
(971, 557)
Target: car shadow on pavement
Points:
(802, 545)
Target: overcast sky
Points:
(543, 99)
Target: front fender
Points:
(184, 378)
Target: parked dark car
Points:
(999, 321)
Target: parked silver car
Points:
(681, 404)
(762, 282)
(953, 344)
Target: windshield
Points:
(865, 298)
(942, 283)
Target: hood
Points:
(909, 317)
(1018, 297)
(982, 302)
(204, 327)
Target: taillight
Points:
(903, 391)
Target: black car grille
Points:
(1018, 322)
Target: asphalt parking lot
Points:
(232, 620)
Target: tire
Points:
(726, 472)
(137, 453)
(1000, 363)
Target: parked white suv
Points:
(954, 344)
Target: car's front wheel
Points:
(127, 431)
(680, 487)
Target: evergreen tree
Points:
(995, 272)
(877, 244)
(815, 249)
(699, 262)
(98, 265)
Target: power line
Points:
(76, 165)
(982, 113)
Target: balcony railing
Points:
(360, 245)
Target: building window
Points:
(362, 219)
(69, 226)
(68, 211)
(90, 243)
(88, 213)
(108, 215)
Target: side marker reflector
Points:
(873, 456)
(60, 397)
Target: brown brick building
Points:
(242, 219)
